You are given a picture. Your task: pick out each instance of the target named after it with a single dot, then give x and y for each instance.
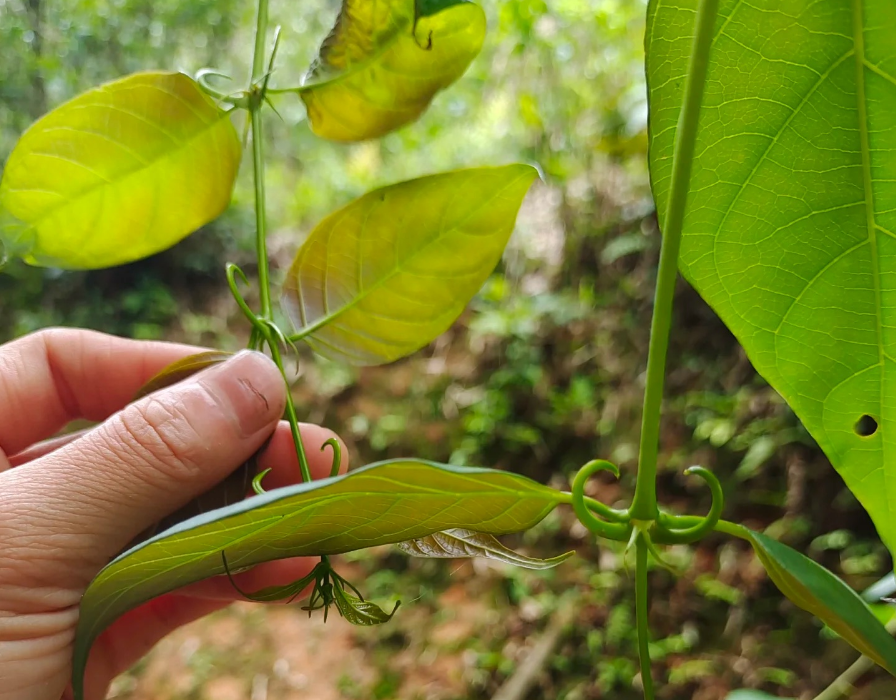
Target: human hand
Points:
(67, 506)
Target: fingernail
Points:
(250, 390)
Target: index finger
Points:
(52, 377)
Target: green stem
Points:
(255, 117)
(264, 284)
(261, 31)
(291, 413)
(644, 505)
(641, 550)
(256, 103)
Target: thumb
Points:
(157, 454)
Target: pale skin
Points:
(68, 505)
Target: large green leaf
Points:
(382, 503)
(119, 173)
(790, 230)
(384, 61)
(383, 276)
(818, 591)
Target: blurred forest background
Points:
(541, 374)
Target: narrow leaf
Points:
(182, 369)
(385, 275)
(121, 172)
(790, 232)
(383, 63)
(818, 591)
(360, 612)
(458, 543)
(749, 695)
(382, 503)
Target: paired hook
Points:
(619, 525)
(619, 529)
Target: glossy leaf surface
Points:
(385, 275)
(383, 63)
(382, 503)
(790, 230)
(121, 172)
(818, 591)
(459, 543)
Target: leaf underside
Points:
(388, 273)
(123, 171)
(818, 591)
(382, 64)
(790, 230)
(459, 543)
(382, 503)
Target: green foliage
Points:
(379, 504)
(385, 275)
(790, 236)
(149, 154)
(383, 63)
(818, 591)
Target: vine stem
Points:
(256, 104)
(644, 505)
(641, 594)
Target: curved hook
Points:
(619, 531)
(231, 270)
(665, 531)
(337, 454)
(256, 481)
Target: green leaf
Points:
(790, 232)
(358, 611)
(818, 591)
(385, 275)
(459, 543)
(749, 695)
(382, 503)
(182, 369)
(382, 64)
(121, 172)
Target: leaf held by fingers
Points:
(458, 543)
(182, 369)
(382, 503)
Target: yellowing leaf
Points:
(383, 63)
(458, 543)
(123, 171)
(391, 271)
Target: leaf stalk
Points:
(644, 505)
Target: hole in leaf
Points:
(866, 426)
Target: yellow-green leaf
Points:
(383, 63)
(123, 171)
(382, 503)
(388, 273)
